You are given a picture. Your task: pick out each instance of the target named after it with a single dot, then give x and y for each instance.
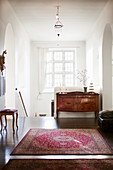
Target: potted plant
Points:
(83, 77)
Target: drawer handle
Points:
(68, 103)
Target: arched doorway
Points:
(107, 68)
(10, 67)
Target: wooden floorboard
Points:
(8, 140)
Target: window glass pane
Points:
(58, 56)
(49, 67)
(69, 80)
(49, 56)
(68, 55)
(49, 80)
(69, 67)
(58, 80)
(58, 67)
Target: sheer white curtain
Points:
(42, 68)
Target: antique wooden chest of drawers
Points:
(77, 102)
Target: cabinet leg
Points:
(57, 114)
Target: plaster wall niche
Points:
(107, 68)
(10, 67)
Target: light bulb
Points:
(57, 16)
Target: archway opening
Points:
(107, 68)
(10, 67)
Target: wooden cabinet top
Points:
(77, 93)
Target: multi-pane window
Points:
(60, 67)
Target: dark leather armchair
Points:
(105, 120)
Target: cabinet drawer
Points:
(66, 103)
(86, 107)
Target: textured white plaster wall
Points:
(22, 48)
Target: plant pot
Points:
(85, 89)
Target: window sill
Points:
(47, 91)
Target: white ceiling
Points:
(77, 16)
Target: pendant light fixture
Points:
(58, 25)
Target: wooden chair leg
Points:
(13, 123)
(5, 122)
(17, 120)
(1, 122)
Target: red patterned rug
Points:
(37, 164)
(62, 141)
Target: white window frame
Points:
(63, 73)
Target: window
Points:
(60, 67)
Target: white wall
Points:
(10, 67)
(94, 44)
(93, 51)
(107, 68)
(27, 66)
(21, 51)
(2, 35)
